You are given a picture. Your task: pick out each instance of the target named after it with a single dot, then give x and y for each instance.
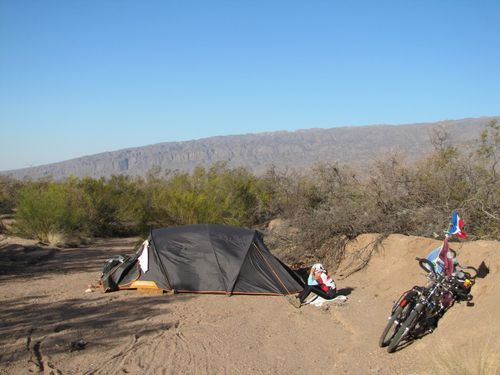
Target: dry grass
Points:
(479, 357)
(57, 239)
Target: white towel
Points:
(143, 258)
(319, 301)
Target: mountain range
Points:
(301, 149)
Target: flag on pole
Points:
(456, 226)
(446, 256)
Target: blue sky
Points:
(82, 77)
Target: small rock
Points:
(77, 345)
(88, 290)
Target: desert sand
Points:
(52, 323)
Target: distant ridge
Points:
(357, 145)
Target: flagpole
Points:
(447, 232)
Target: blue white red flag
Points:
(456, 226)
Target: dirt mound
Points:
(50, 324)
(468, 333)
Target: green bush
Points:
(48, 209)
(216, 195)
(113, 206)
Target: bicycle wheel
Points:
(402, 331)
(392, 325)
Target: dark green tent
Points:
(203, 258)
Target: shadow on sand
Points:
(18, 261)
(99, 321)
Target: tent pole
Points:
(288, 295)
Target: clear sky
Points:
(81, 77)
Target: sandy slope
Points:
(49, 322)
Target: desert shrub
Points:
(483, 206)
(155, 198)
(80, 207)
(389, 191)
(332, 203)
(113, 206)
(216, 195)
(122, 205)
(463, 179)
(9, 189)
(325, 206)
(276, 194)
(48, 209)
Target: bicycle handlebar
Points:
(468, 268)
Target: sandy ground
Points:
(49, 324)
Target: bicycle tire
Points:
(402, 331)
(384, 341)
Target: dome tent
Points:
(203, 258)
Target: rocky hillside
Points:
(300, 149)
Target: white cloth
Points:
(144, 257)
(319, 301)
